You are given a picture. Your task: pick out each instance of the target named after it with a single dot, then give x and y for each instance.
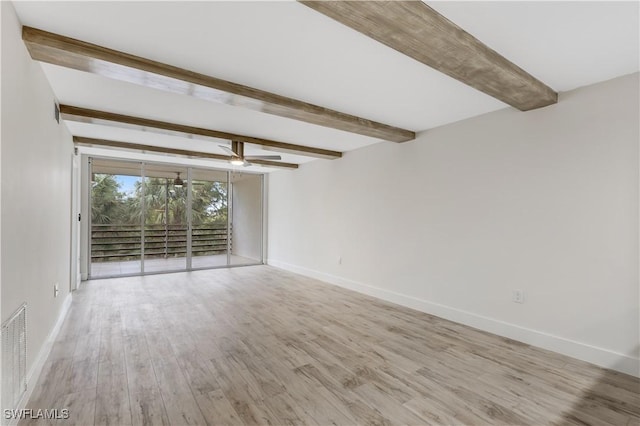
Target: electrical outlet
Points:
(56, 290)
(518, 296)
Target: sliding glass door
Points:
(209, 219)
(153, 218)
(116, 227)
(165, 218)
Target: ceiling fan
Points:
(178, 182)
(239, 159)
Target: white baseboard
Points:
(36, 369)
(595, 355)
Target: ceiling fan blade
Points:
(263, 157)
(229, 151)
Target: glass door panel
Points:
(246, 219)
(150, 218)
(209, 228)
(116, 225)
(165, 218)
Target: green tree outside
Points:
(109, 205)
(117, 214)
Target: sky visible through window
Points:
(127, 184)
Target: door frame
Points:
(189, 256)
(75, 270)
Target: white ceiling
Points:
(565, 44)
(289, 49)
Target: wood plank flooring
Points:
(260, 346)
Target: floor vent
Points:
(14, 358)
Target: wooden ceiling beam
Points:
(173, 151)
(86, 115)
(418, 31)
(71, 53)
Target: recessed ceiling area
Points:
(291, 50)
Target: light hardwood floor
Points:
(258, 345)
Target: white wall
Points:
(2, 13)
(545, 201)
(36, 156)
(247, 216)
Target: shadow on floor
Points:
(612, 398)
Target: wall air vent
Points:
(14, 358)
